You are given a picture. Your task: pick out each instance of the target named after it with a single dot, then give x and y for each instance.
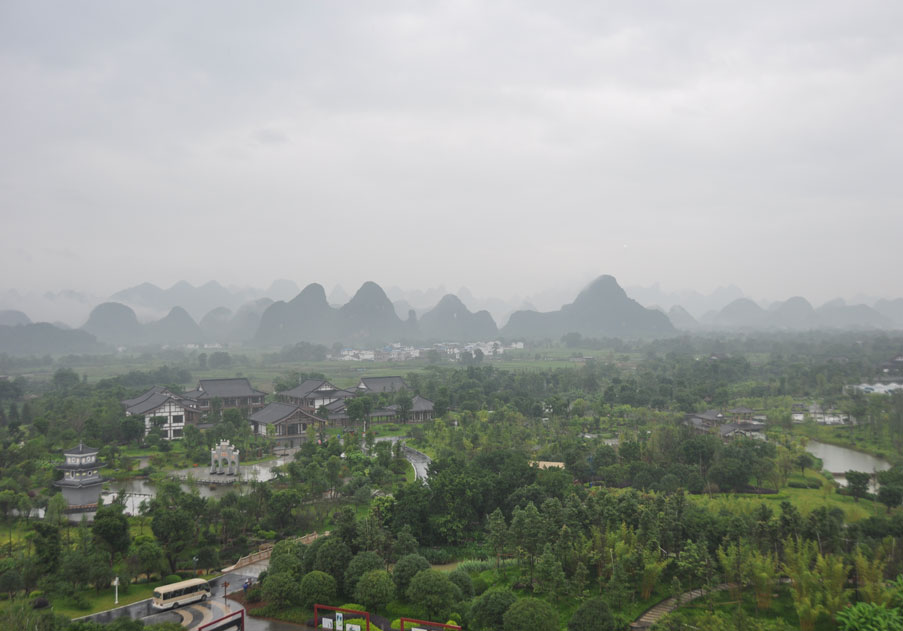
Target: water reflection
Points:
(137, 490)
(839, 460)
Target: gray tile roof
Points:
(305, 388)
(382, 384)
(81, 450)
(276, 412)
(237, 387)
(143, 397)
(338, 404)
(419, 404)
(150, 403)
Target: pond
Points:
(137, 490)
(839, 460)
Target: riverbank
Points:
(850, 437)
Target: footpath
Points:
(653, 615)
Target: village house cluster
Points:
(314, 402)
(454, 351)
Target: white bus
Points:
(181, 593)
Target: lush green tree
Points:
(762, 573)
(111, 529)
(432, 592)
(10, 582)
(804, 460)
(488, 610)
(175, 530)
(497, 535)
(333, 558)
(527, 533)
(858, 483)
(405, 570)
(100, 572)
(890, 496)
(362, 563)
(317, 587)
(47, 546)
(150, 557)
(462, 579)
(834, 574)
(530, 613)
(593, 615)
(550, 577)
(374, 589)
(287, 556)
(281, 589)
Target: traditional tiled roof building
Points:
(290, 423)
(235, 393)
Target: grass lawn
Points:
(409, 473)
(104, 600)
(805, 500)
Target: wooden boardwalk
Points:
(653, 615)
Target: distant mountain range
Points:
(794, 314)
(369, 317)
(601, 310)
(198, 301)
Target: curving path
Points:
(419, 460)
(653, 615)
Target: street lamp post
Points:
(116, 587)
(194, 559)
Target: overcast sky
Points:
(505, 146)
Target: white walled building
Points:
(159, 407)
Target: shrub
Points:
(281, 589)
(405, 570)
(593, 615)
(255, 594)
(40, 603)
(172, 578)
(479, 586)
(375, 589)
(362, 563)
(317, 587)
(488, 610)
(530, 613)
(431, 590)
(460, 578)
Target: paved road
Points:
(419, 460)
(189, 616)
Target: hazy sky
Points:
(505, 146)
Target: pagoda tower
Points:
(81, 483)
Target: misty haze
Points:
(490, 316)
